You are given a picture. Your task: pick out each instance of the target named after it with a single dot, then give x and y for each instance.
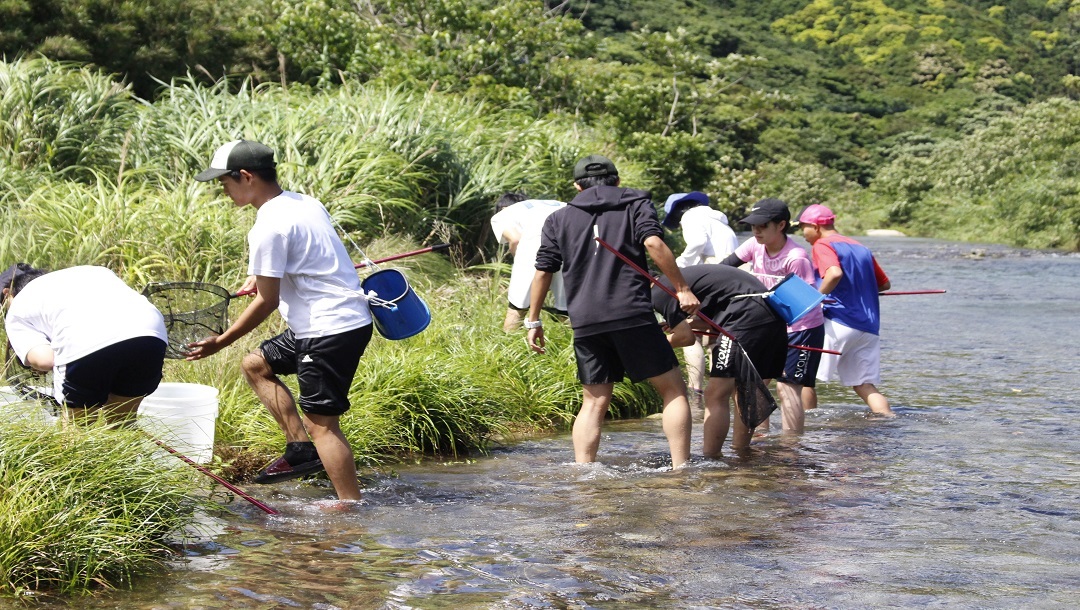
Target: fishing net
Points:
(755, 402)
(193, 311)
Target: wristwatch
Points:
(530, 324)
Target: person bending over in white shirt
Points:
(104, 343)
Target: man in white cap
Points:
(300, 268)
(852, 278)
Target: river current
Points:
(967, 499)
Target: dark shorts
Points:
(129, 368)
(765, 345)
(324, 366)
(802, 365)
(641, 352)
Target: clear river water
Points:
(967, 499)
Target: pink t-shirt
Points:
(792, 258)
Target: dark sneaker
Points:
(299, 459)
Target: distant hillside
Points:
(812, 100)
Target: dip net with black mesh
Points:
(193, 311)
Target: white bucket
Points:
(182, 415)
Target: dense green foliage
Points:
(79, 510)
(719, 96)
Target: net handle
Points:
(671, 292)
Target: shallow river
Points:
(968, 499)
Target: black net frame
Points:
(192, 310)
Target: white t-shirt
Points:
(707, 236)
(527, 217)
(78, 311)
(294, 239)
(792, 258)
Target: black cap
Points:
(594, 165)
(767, 210)
(237, 155)
(8, 276)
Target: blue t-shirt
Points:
(854, 301)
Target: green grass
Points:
(82, 508)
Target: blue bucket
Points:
(399, 313)
(793, 298)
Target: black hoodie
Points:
(603, 293)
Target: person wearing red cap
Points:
(848, 273)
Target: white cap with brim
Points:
(237, 155)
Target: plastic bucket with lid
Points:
(399, 312)
(793, 298)
(182, 416)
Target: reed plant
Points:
(85, 507)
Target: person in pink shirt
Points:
(772, 256)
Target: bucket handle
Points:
(373, 299)
(756, 294)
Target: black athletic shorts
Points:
(129, 368)
(324, 366)
(640, 352)
(765, 345)
(802, 365)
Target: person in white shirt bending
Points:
(708, 240)
(518, 222)
(103, 342)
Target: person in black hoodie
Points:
(609, 303)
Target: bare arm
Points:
(830, 280)
(41, 358)
(682, 335)
(540, 286)
(512, 237)
(665, 261)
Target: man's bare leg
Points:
(717, 415)
(273, 394)
(874, 399)
(676, 419)
(590, 419)
(512, 321)
(694, 357)
(336, 454)
(792, 415)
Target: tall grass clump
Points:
(84, 507)
(62, 117)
